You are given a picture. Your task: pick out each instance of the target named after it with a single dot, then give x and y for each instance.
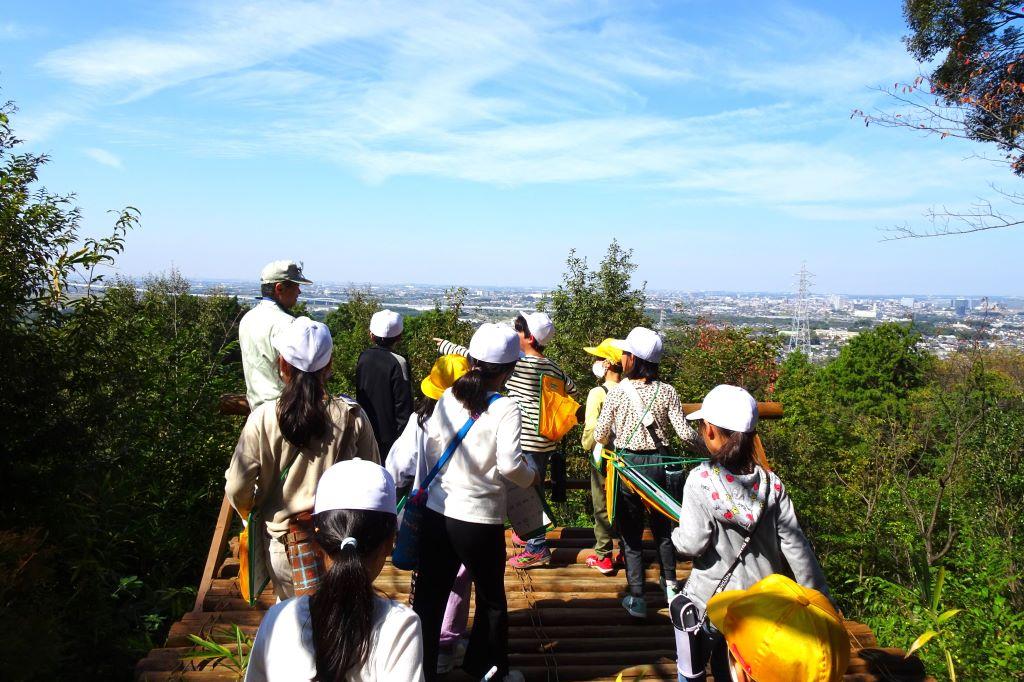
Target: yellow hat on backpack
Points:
(779, 631)
(606, 350)
(445, 372)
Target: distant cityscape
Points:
(947, 322)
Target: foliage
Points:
(591, 305)
(211, 653)
(350, 328)
(444, 321)
(699, 357)
(974, 91)
(111, 450)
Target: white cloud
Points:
(516, 93)
(102, 156)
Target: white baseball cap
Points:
(386, 323)
(283, 271)
(495, 343)
(355, 484)
(305, 344)
(541, 327)
(642, 342)
(728, 407)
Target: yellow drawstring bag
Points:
(557, 409)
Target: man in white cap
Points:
(279, 289)
(383, 386)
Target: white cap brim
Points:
(694, 416)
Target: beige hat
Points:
(283, 271)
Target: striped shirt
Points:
(524, 387)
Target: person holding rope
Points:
(344, 630)
(635, 419)
(463, 522)
(288, 443)
(738, 525)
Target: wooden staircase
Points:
(565, 623)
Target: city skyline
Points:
(469, 141)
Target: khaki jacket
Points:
(253, 478)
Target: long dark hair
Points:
(737, 454)
(643, 369)
(302, 408)
(424, 408)
(472, 387)
(341, 610)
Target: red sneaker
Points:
(517, 541)
(602, 564)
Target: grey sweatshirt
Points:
(718, 510)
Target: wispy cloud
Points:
(520, 93)
(102, 156)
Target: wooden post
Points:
(218, 545)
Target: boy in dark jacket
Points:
(383, 387)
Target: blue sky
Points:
(476, 143)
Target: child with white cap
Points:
(383, 386)
(535, 330)
(463, 522)
(288, 443)
(737, 523)
(344, 630)
(635, 418)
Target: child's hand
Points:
(438, 342)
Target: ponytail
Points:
(302, 410)
(341, 610)
(738, 452)
(471, 388)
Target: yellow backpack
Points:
(557, 409)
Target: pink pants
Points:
(456, 613)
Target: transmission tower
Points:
(801, 338)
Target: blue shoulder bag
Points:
(407, 544)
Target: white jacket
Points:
(259, 358)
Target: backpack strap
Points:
(453, 445)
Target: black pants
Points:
(445, 544)
(629, 514)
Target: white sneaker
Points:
(448, 661)
(513, 676)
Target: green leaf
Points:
(940, 579)
(946, 615)
(925, 637)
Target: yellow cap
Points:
(782, 632)
(606, 350)
(445, 372)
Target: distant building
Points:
(907, 302)
(961, 306)
(865, 312)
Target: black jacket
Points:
(384, 391)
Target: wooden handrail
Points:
(218, 545)
(237, 404)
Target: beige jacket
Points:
(253, 478)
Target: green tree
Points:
(350, 328)
(591, 305)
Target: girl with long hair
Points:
(727, 500)
(463, 522)
(406, 466)
(344, 631)
(288, 443)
